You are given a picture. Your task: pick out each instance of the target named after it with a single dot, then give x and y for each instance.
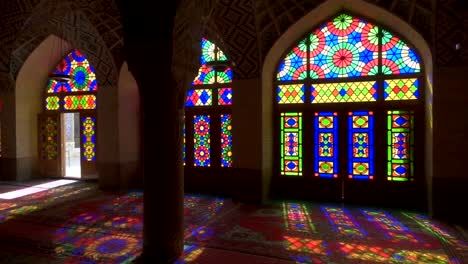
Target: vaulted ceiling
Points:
(245, 29)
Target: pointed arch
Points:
(313, 20)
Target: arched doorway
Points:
(340, 109)
(67, 126)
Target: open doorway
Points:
(71, 144)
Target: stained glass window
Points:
(291, 144)
(209, 101)
(353, 68)
(226, 140)
(400, 141)
(361, 145)
(49, 134)
(201, 140)
(326, 144)
(52, 103)
(88, 138)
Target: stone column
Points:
(148, 46)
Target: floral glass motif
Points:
(400, 141)
(88, 128)
(52, 103)
(201, 140)
(77, 66)
(361, 145)
(326, 142)
(397, 57)
(291, 144)
(294, 65)
(226, 140)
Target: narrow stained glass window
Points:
(184, 150)
(361, 145)
(401, 89)
(88, 138)
(226, 140)
(291, 144)
(344, 92)
(400, 142)
(201, 140)
(326, 142)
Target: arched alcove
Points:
(30, 83)
(129, 129)
(308, 23)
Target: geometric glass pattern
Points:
(291, 144)
(226, 140)
(397, 57)
(293, 66)
(210, 52)
(75, 102)
(83, 78)
(224, 76)
(198, 97)
(326, 144)
(344, 47)
(206, 75)
(344, 92)
(291, 94)
(361, 145)
(401, 89)
(400, 142)
(184, 158)
(225, 96)
(201, 140)
(88, 127)
(49, 134)
(343, 222)
(297, 218)
(52, 103)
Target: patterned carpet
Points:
(77, 223)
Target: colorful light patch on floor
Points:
(296, 218)
(392, 228)
(378, 254)
(438, 231)
(343, 222)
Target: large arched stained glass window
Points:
(208, 118)
(347, 94)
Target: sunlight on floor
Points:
(34, 189)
